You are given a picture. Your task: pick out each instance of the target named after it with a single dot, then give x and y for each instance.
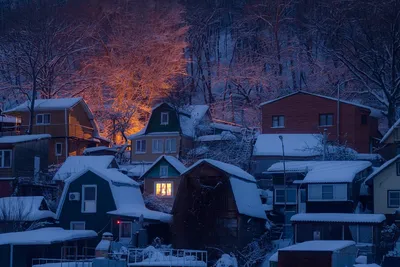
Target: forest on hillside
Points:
(123, 56)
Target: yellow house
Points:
(385, 184)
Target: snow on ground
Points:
(367, 265)
(65, 264)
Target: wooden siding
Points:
(24, 157)
(154, 124)
(386, 180)
(155, 171)
(56, 128)
(6, 188)
(149, 156)
(80, 125)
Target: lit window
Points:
(5, 158)
(163, 171)
(164, 118)
(164, 189)
(393, 199)
(59, 149)
(170, 145)
(43, 119)
(140, 146)
(89, 198)
(158, 146)
(278, 121)
(327, 191)
(77, 225)
(325, 119)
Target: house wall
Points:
(56, 128)
(150, 184)
(382, 183)
(6, 188)
(79, 123)
(72, 210)
(302, 111)
(24, 157)
(305, 258)
(149, 156)
(154, 124)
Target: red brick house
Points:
(303, 112)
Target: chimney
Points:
(103, 248)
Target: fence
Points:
(61, 262)
(167, 257)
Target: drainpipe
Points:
(66, 132)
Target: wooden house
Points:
(105, 200)
(163, 177)
(23, 157)
(69, 121)
(19, 213)
(169, 130)
(217, 204)
(8, 124)
(389, 145)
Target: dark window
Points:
(393, 199)
(327, 192)
(325, 119)
(364, 119)
(278, 121)
(398, 168)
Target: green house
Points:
(105, 200)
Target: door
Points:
(125, 232)
(301, 200)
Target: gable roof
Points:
(75, 164)
(374, 112)
(381, 168)
(230, 169)
(47, 104)
(12, 139)
(390, 131)
(174, 162)
(23, 209)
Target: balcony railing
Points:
(167, 257)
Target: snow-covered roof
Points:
(367, 156)
(295, 145)
(45, 236)
(374, 112)
(274, 257)
(247, 199)
(23, 209)
(226, 127)
(76, 164)
(110, 175)
(23, 138)
(225, 167)
(225, 135)
(320, 245)
(9, 119)
(47, 104)
(323, 171)
(367, 265)
(389, 132)
(174, 162)
(99, 148)
(136, 169)
(338, 217)
(381, 168)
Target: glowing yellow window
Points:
(164, 189)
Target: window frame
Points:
(120, 228)
(59, 154)
(161, 119)
(283, 202)
(163, 167)
(388, 198)
(169, 141)
(332, 192)
(83, 198)
(2, 152)
(164, 182)
(325, 115)
(42, 115)
(162, 146)
(278, 117)
(77, 222)
(141, 141)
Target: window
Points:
(325, 119)
(164, 118)
(89, 198)
(157, 146)
(125, 229)
(5, 158)
(59, 147)
(170, 145)
(77, 225)
(327, 191)
(278, 121)
(393, 198)
(291, 197)
(164, 189)
(43, 119)
(140, 146)
(364, 119)
(398, 168)
(163, 171)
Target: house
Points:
(169, 130)
(318, 253)
(384, 183)
(8, 124)
(305, 113)
(363, 229)
(76, 164)
(19, 213)
(20, 248)
(69, 121)
(22, 157)
(217, 204)
(163, 177)
(105, 200)
(390, 142)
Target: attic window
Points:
(164, 118)
(163, 171)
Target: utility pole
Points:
(324, 137)
(284, 178)
(338, 114)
